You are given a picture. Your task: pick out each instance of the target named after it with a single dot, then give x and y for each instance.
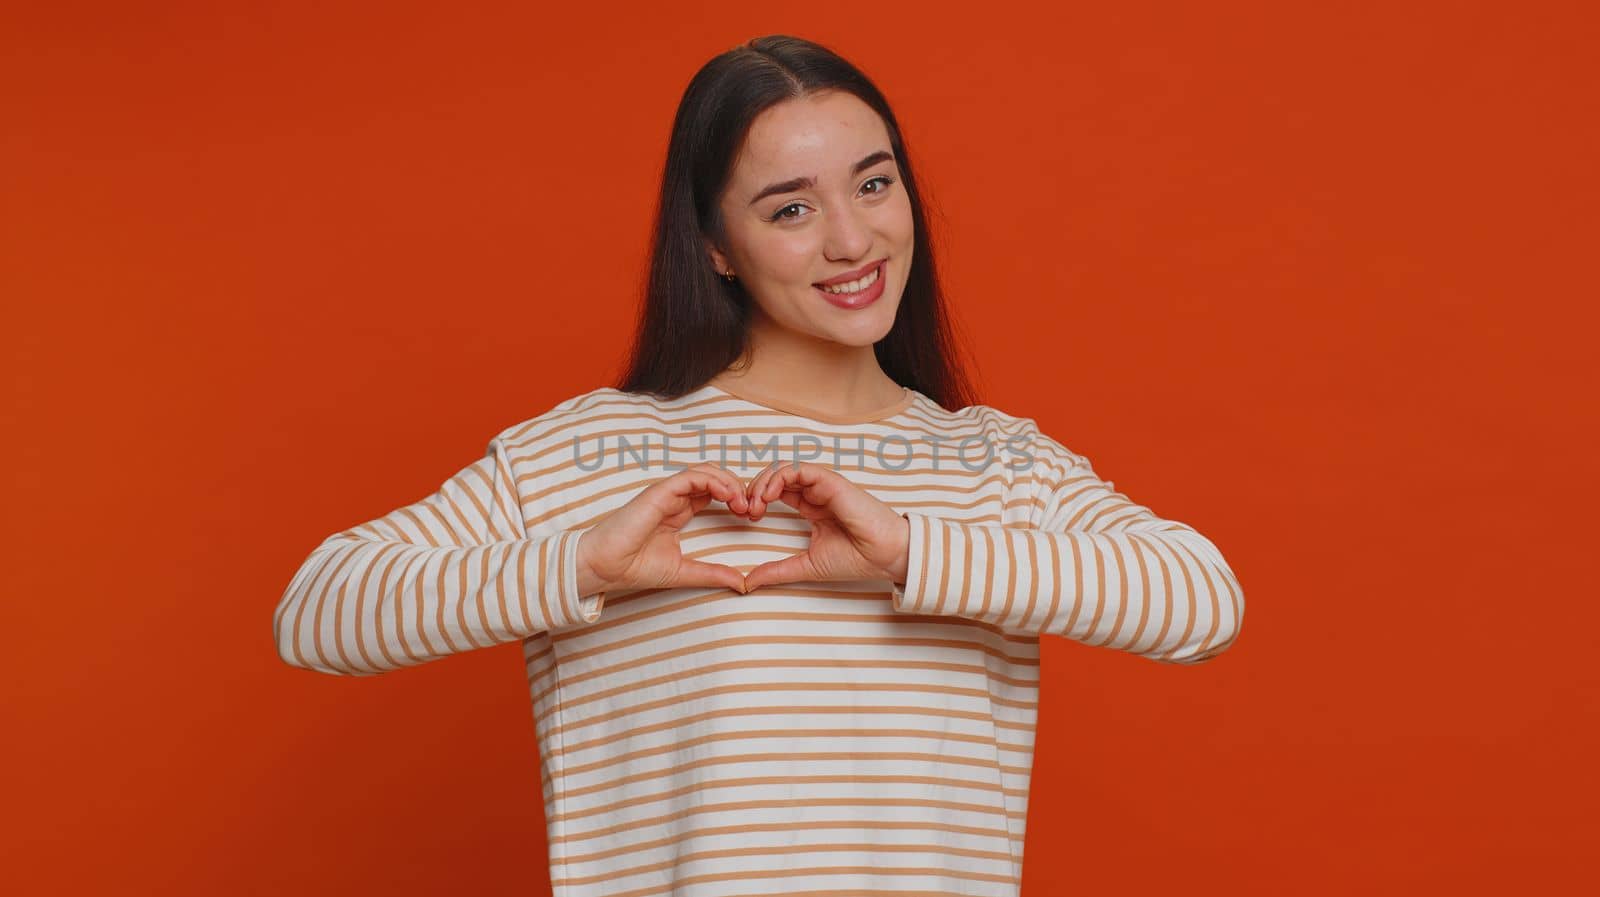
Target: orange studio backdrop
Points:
(1314, 279)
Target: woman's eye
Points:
(781, 216)
(882, 177)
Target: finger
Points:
(700, 490)
(749, 502)
(803, 478)
(701, 478)
(728, 487)
(740, 503)
(843, 500)
(701, 573)
(735, 497)
(698, 480)
(782, 475)
(758, 505)
(759, 478)
(795, 568)
(683, 484)
(795, 498)
(757, 486)
(774, 476)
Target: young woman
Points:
(779, 592)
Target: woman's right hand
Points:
(636, 546)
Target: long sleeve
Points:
(455, 571)
(1094, 567)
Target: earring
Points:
(728, 275)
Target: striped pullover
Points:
(836, 738)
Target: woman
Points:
(780, 607)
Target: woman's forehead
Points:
(819, 137)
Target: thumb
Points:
(700, 573)
(793, 568)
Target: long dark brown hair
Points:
(693, 324)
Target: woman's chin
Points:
(861, 330)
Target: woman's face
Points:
(784, 241)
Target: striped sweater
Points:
(840, 738)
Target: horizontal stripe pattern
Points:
(1093, 567)
(452, 572)
(815, 737)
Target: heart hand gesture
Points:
(636, 546)
(853, 534)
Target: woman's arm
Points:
(452, 572)
(1096, 568)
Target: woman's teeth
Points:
(855, 286)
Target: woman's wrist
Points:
(902, 553)
(589, 582)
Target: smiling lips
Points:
(848, 276)
(857, 289)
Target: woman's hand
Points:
(636, 546)
(853, 535)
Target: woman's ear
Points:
(719, 262)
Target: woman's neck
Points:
(814, 373)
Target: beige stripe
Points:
(782, 710)
(745, 734)
(1008, 551)
(728, 806)
(994, 677)
(986, 563)
(506, 563)
(776, 850)
(635, 798)
(1052, 583)
(463, 484)
(545, 614)
(1077, 580)
(471, 597)
(941, 602)
(1140, 596)
(390, 662)
(1100, 598)
(525, 588)
(345, 553)
(360, 612)
(679, 769)
(747, 688)
(691, 626)
(301, 598)
(441, 590)
(1143, 546)
(842, 823)
(451, 537)
(504, 494)
(412, 557)
(684, 880)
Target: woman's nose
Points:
(848, 236)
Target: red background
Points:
(1317, 281)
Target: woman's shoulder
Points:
(566, 418)
(555, 457)
(1019, 428)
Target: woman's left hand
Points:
(853, 535)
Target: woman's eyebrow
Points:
(793, 184)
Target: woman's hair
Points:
(693, 323)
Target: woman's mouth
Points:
(859, 293)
